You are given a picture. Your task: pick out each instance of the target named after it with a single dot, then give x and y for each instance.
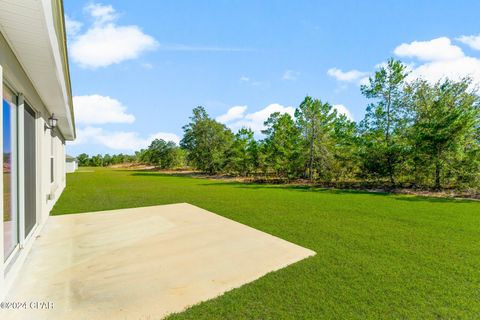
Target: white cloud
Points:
(348, 76)
(432, 60)
(97, 109)
(439, 60)
(73, 26)
(451, 69)
(472, 41)
(341, 109)
(364, 81)
(244, 79)
(439, 49)
(119, 140)
(105, 43)
(290, 75)
(256, 119)
(101, 13)
(164, 136)
(234, 113)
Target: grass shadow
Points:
(305, 188)
(158, 174)
(419, 198)
(302, 188)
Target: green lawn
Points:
(378, 256)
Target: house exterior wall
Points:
(47, 145)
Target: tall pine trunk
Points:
(387, 139)
(437, 176)
(310, 163)
(312, 142)
(438, 169)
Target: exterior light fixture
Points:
(51, 122)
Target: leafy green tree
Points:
(283, 146)
(96, 161)
(315, 121)
(385, 119)
(445, 130)
(426, 134)
(161, 153)
(166, 155)
(107, 160)
(122, 158)
(243, 155)
(179, 158)
(83, 160)
(140, 156)
(207, 142)
(345, 151)
(262, 165)
(117, 158)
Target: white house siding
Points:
(47, 192)
(71, 166)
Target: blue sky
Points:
(139, 67)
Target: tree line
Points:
(162, 154)
(84, 160)
(414, 133)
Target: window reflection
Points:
(10, 214)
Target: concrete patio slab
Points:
(141, 263)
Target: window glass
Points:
(10, 212)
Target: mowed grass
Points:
(378, 256)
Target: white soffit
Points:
(28, 26)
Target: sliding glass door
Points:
(30, 170)
(10, 208)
